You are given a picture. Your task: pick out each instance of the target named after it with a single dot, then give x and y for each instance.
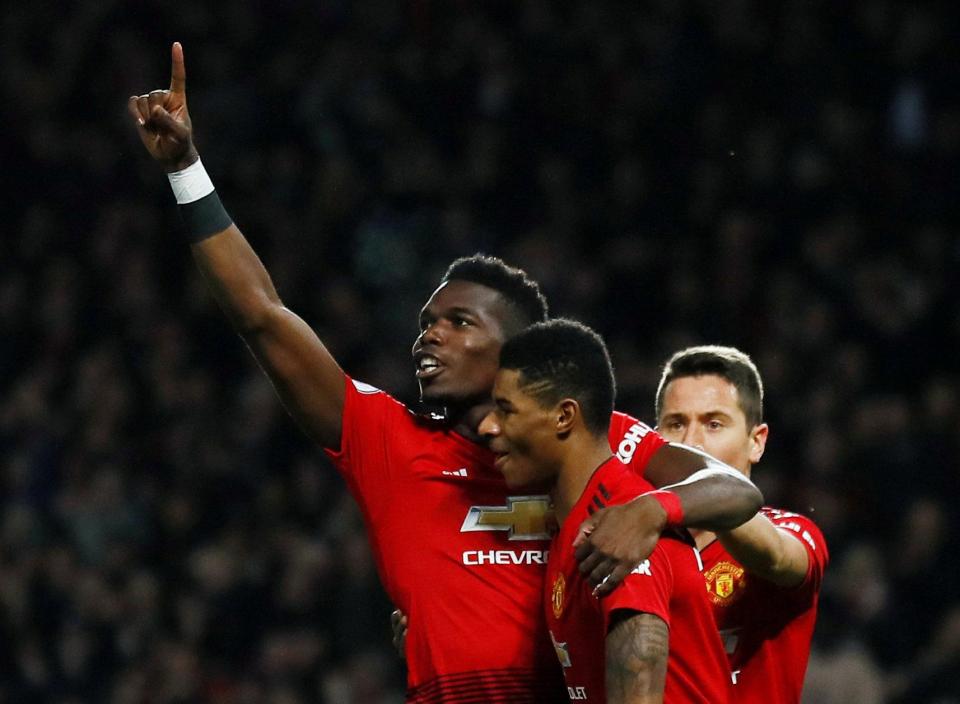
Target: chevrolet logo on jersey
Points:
(524, 518)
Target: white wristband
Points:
(190, 184)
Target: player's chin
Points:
(430, 393)
(437, 393)
(514, 482)
(518, 480)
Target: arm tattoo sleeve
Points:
(637, 647)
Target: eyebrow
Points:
(715, 413)
(709, 414)
(427, 311)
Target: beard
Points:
(453, 400)
(437, 397)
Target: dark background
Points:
(780, 176)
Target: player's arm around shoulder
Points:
(637, 645)
(307, 378)
(713, 495)
(771, 552)
(707, 494)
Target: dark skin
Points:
(637, 647)
(462, 325)
(462, 328)
(465, 325)
(308, 380)
(551, 445)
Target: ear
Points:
(567, 414)
(758, 441)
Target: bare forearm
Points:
(718, 502)
(307, 378)
(766, 551)
(722, 499)
(237, 279)
(614, 540)
(636, 660)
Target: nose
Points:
(489, 427)
(693, 436)
(431, 334)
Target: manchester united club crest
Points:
(558, 594)
(725, 582)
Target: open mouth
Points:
(428, 366)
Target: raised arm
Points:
(305, 375)
(636, 659)
(708, 495)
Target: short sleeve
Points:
(633, 442)
(810, 537)
(369, 415)
(648, 589)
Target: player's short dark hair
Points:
(562, 359)
(726, 362)
(520, 291)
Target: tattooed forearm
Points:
(637, 647)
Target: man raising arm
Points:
(306, 376)
(453, 547)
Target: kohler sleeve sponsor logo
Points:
(631, 441)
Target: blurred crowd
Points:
(777, 176)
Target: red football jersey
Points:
(668, 585)
(766, 629)
(458, 552)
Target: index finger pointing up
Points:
(178, 74)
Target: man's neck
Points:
(702, 537)
(580, 460)
(465, 420)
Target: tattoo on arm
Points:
(637, 645)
